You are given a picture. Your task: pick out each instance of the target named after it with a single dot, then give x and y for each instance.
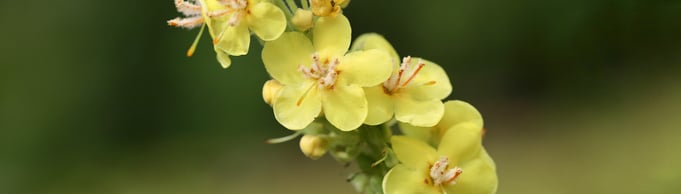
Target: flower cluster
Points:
(345, 97)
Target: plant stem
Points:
(305, 4)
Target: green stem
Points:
(305, 4)
(292, 4)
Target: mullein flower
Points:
(232, 19)
(229, 22)
(459, 165)
(457, 113)
(317, 76)
(414, 91)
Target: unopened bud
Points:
(269, 91)
(313, 146)
(325, 8)
(302, 19)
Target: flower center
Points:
(235, 7)
(441, 175)
(404, 76)
(324, 72)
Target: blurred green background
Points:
(579, 96)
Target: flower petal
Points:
(402, 180)
(430, 83)
(223, 58)
(215, 25)
(282, 57)
(424, 134)
(456, 112)
(267, 21)
(345, 106)
(418, 113)
(413, 153)
(331, 36)
(380, 105)
(479, 176)
(235, 40)
(370, 41)
(461, 142)
(296, 106)
(365, 68)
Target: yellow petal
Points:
(365, 68)
(296, 106)
(479, 176)
(402, 180)
(418, 113)
(457, 112)
(424, 134)
(380, 105)
(413, 153)
(461, 142)
(235, 40)
(345, 106)
(430, 83)
(282, 57)
(223, 58)
(370, 41)
(331, 36)
(267, 21)
(215, 25)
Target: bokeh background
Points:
(578, 96)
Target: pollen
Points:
(404, 76)
(441, 174)
(324, 73)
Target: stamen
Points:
(413, 74)
(441, 175)
(234, 7)
(430, 83)
(217, 39)
(188, 8)
(405, 63)
(192, 48)
(300, 100)
(397, 81)
(324, 73)
(188, 23)
(218, 13)
(234, 20)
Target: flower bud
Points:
(302, 19)
(269, 91)
(325, 8)
(313, 146)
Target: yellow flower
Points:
(317, 76)
(459, 165)
(456, 113)
(229, 22)
(413, 93)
